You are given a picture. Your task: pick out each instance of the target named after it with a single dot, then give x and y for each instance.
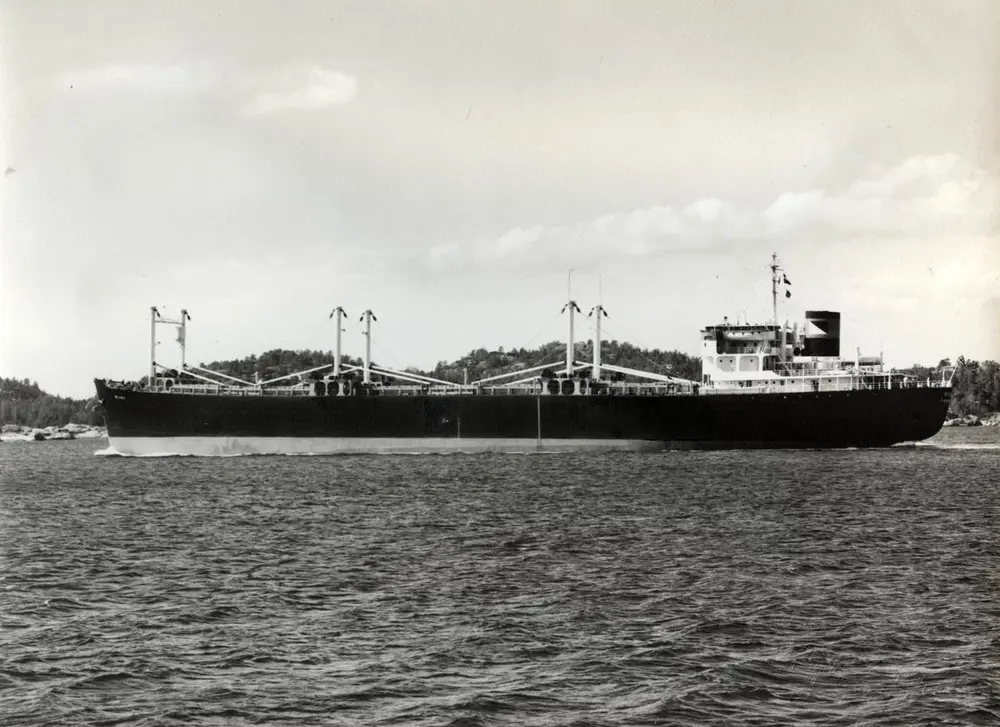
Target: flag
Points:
(180, 335)
(787, 281)
(788, 294)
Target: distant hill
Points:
(275, 363)
(484, 364)
(23, 402)
(480, 363)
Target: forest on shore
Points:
(23, 402)
(477, 364)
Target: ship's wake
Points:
(950, 445)
(112, 452)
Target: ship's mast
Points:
(599, 310)
(182, 334)
(339, 313)
(774, 304)
(368, 317)
(571, 305)
(181, 323)
(774, 286)
(153, 315)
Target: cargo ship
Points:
(766, 385)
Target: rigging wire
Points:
(391, 353)
(382, 349)
(662, 367)
(542, 329)
(377, 344)
(557, 350)
(408, 351)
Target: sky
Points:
(446, 164)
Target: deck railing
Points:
(782, 385)
(792, 385)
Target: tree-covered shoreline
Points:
(23, 402)
(976, 383)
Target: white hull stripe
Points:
(232, 446)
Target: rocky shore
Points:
(971, 420)
(16, 433)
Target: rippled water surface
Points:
(828, 588)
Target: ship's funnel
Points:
(822, 333)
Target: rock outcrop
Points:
(16, 433)
(969, 420)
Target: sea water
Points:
(687, 588)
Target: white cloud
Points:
(286, 89)
(301, 89)
(641, 233)
(911, 176)
(923, 198)
(135, 79)
(706, 209)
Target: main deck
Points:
(790, 383)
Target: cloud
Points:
(912, 176)
(302, 89)
(286, 89)
(923, 198)
(135, 79)
(641, 233)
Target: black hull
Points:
(865, 418)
